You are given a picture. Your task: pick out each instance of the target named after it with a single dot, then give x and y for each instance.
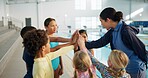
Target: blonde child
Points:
(117, 63)
(83, 67)
(37, 43)
(82, 64)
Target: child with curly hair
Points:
(37, 44)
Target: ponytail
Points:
(118, 16)
(116, 73)
(111, 14)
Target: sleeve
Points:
(100, 42)
(100, 66)
(60, 52)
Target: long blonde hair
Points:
(82, 62)
(119, 61)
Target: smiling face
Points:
(52, 27)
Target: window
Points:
(96, 4)
(89, 22)
(80, 4)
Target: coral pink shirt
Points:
(86, 74)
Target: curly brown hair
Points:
(34, 40)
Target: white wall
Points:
(1, 9)
(58, 9)
(22, 11)
(4, 11)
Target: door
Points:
(28, 21)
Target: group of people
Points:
(42, 52)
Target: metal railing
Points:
(12, 23)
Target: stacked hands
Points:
(77, 40)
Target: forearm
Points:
(59, 46)
(59, 39)
(60, 52)
(83, 48)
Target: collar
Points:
(119, 25)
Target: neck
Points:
(40, 54)
(49, 34)
(114, 24)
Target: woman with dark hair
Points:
(122, 37)
(51, 28)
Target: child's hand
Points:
(74, 37)
(81, 42)
(76, 47)
(61, 71)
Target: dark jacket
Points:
(132, 42)
(129, 38)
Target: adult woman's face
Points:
(52, 27)
(105, 23)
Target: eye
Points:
(84, 36)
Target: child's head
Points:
(50, 25)
(118, 61)
(82, 63)
(83, 33)
(36, 41)
(26, 29)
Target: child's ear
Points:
(43, 48)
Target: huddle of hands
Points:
(77, 40)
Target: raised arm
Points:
(59, 39)
(60, 52)
(107, 38)
(81, 43)
(64, 50)
(59, 46)
(100, 66)
(72, 41)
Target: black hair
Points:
(47, 21)
(111, 14)
(83, 31)
(26, 29)
(34, 40)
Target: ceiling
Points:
(33, 1)
(29, 1)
